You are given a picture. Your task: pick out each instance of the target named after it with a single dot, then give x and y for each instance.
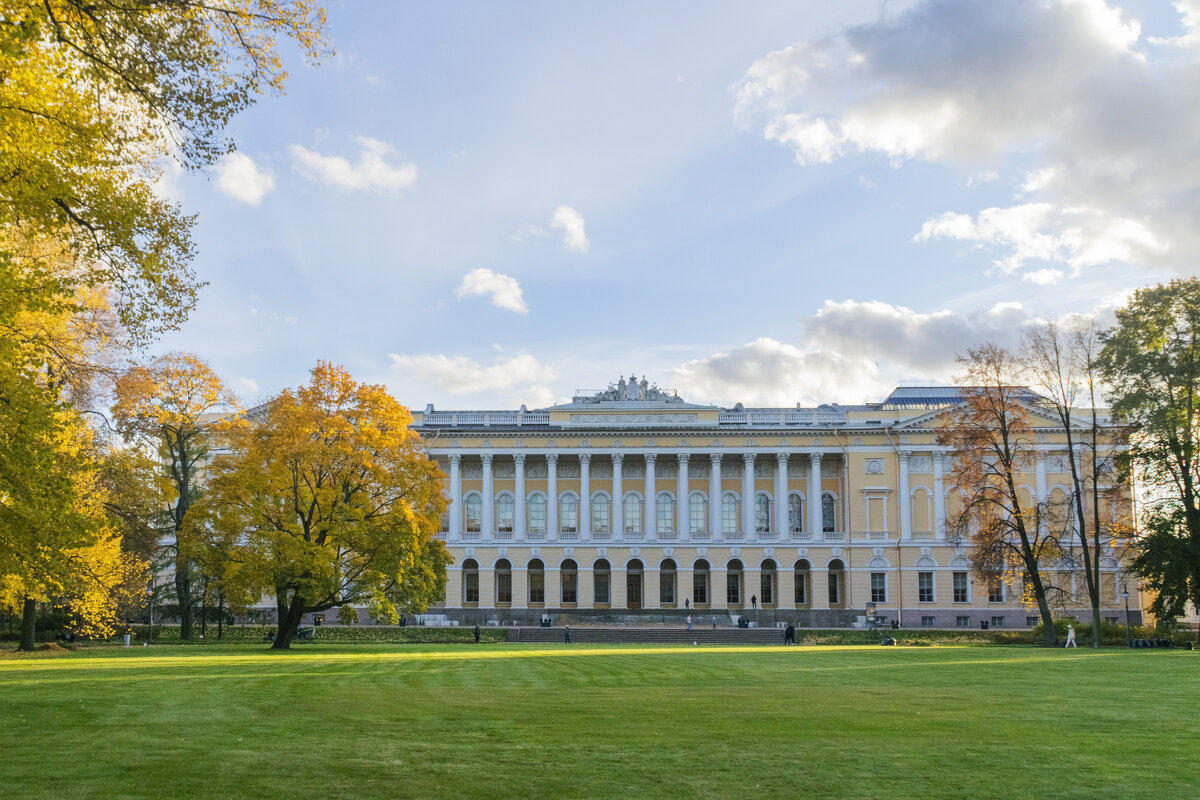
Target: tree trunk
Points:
(183, 593)
(1095, 624)
(220, 616)
(28, 624)
(289, 622)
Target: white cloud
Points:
(1093, 124)
(461, 375)
(503, 290)
(371, 172)
(240, 178)
(1044, 277)
(570, 222)
(247, 386)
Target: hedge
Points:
(235, 634)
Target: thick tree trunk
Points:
(183, 592)
(289, 622)
(1095, 624)
(28, 624)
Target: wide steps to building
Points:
(660, 635)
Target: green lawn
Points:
(330, 721)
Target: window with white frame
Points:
(474, 504)
(505, 513)
(962, 621)
(878, 587)
(600, 517)
(795, 514)
(568, 514)
(537, 513)
(633, 513)
(960, 587)
(697, 513)
(995, 590)
(729, 513)
(828, 515)
(600, 582)
(928, 621)
(762, 513)
(665, 513)
(925, 587)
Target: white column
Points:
(748, 494)
(714, 494)
(489, 499)
(905, 500)
(1043, 493)
(682, 506)
(939, 498)
(650, 507)
(781, 494)
(456, 505)
(552, 496)
(519, 518)
(814, 495)
(585, 495)
(617, 522)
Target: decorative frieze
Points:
(922, 465)
(874, 466)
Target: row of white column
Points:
(682, 521)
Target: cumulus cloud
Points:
(503, 290)
(371, 172)
(462, 375)
(240, 178)
(1091, 123)
(570, 222)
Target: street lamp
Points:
(1125, 594)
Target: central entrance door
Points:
(633, 584)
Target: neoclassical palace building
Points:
(631, 503)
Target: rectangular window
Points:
(568, 515)
(503, 587)
(666, 514)
(1031, 622)
(762, 515)
(768, 588)
(962, 621)
(997, 622)
(925, 587)
(733, 588)
(729, 515)
(445, 525)
(666, 587)
(633, 515)
(698, 515)
(801, 588)
(700, 588)
(472, 587)
(537, 587)
(601, 584)
(960, 587)
(878, 587)
(995, 591)
(1111, 620)
(569, 592)
(600, 515)
(835, 588)
(928, 622)
(537, 516)
(505, 512)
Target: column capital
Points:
(1040, 455)
(552, 459)
(650, 457)
(938, 456)
(485, 458)
(815, 458)
(781, 458)
(519, 458)
(618, 458)
(455, 458)
(585, 458)
(715, 458)
(748, 458)
(682, 458)
(903, 455)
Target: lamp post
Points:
(150, 633)
(1125, 595)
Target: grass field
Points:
(588, 721)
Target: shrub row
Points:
(169, 634)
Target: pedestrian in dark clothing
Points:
(477, 633)
(567, 631)
(789, 635)
(714, 623)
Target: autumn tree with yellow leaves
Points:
(327, 500)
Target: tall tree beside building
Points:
(328, 500)
(993, 444)
(1151, 362)
(175, 403)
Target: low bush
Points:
(367, 634)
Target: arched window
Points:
(537, 513)
(503, 581)
(795, 514)
(700, 583)
(505, 512)
(766, 595)
(729, 513)
(666, 582)
(836, 575)
(601, 583)
(666, 512)
(803, 571)
(474, 508)
(537, 581)
(697, 513)
(762, 513)
(828, 516)
(570, 582)
(633, 513)
(568, 513)
(470, 573)
(633, 584)
(600, 513)
(733, 583)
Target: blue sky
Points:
(488, 204)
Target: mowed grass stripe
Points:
(600, 722)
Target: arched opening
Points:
(700, 584)
(762, 513)
(733, 583)
(568, 513)
(729, 513)
(633, 513)
(601, 583)
(503, 582)
(633, 584)
(767, 584)
(803, 583)
(828, 513)
(666, 583)
(795, 514)
(470, 573)
(537, 582)
(837, 579)
(697, 513)
(666, 512)
(474, 511)
(569, 572)
(537, 513)
(600, 515)
(506, 511)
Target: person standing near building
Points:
(476, 633)
(714, 623)
(1071, 637)
(689, 623)
(567, 633)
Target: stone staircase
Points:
(655, 635)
